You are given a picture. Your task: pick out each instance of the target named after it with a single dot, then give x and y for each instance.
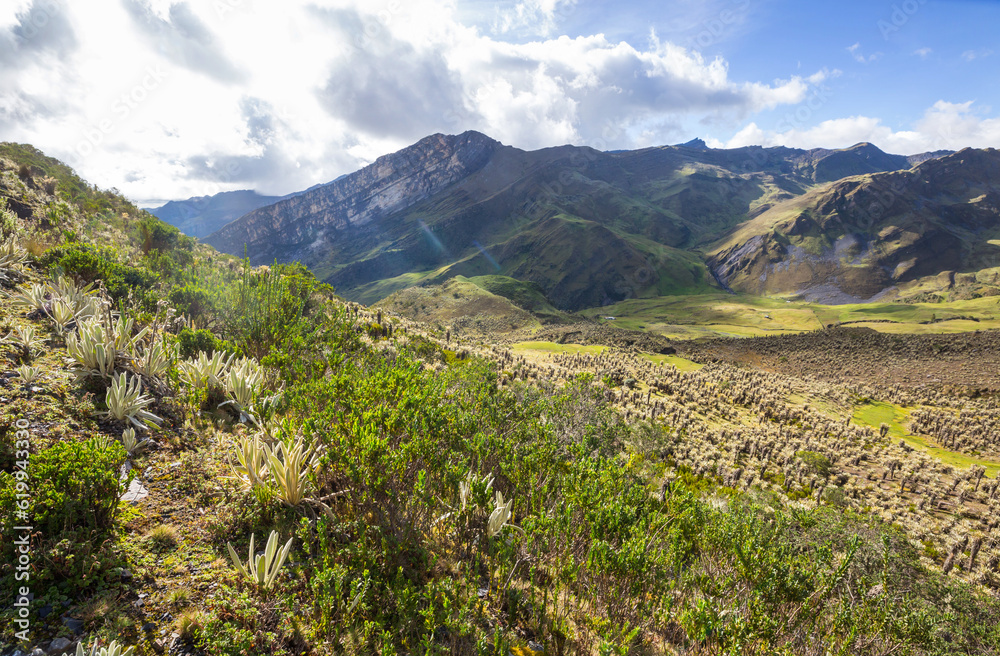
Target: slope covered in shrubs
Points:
(430, 502)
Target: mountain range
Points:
(590, 228)
(202, 215)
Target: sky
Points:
(163, 99)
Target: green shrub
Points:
(92, 263)
(268, 306)
(154, 234)
(73, 507)
(191, 342)
(8, 221)
(816, 462)
(77, 486)
(192, 300)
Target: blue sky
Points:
(166, 99)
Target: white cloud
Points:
(923, 53)
(972, 55)
(168, 99)
(537, 17)
(859, 56)
(944, 126)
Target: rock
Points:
(59, 646)
(125, 574)
(73, 624)
(136, 492)
(148, 627)
(45, 611)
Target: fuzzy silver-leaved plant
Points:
(92, 348)
(262, 570)
(203, 372)
(126, 402)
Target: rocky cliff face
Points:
(291, 229)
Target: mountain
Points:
(868, 236)
(203, 215)
(588, 227)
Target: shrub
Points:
(8, 221)
(91, 263)
(74, 506)
(816, 462)
(154, 234)
(192, 301)
(268, 306)
(191, 342)
(77, 486)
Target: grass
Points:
(677, 361)
(728, 315)
(163, 537)
(877, 413)
(552, 347)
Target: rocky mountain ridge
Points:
(589, 227)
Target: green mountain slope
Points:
(590, 228)
(873, 235)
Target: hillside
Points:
(864, 237)
(589, 228)
(166, 411)
(202, 215)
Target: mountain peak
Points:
(696, 143)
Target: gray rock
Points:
(73, 624)
(59, 646)
(136, 492)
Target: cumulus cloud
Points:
(169, 99)
(944, 126)
(184, 39)
(537, 17)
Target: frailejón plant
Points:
(93, 349)
(204, 372)
(113, 649)
(127, 402)
(262, 570)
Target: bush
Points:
(816, 462)
(74, 505)
(192, 301)
(157, 235)
(191, 342)
(268, 306)
(8, 221)
(77, 486)
(91, 263)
